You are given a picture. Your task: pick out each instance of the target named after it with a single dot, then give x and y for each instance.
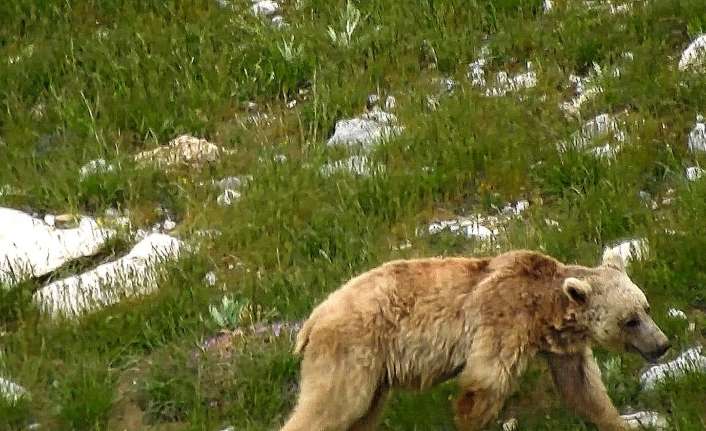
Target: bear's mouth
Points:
(647, 356)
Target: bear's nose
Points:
(661, 350)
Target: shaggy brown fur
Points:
(415, 323)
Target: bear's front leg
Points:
(475, 408)
(578, 380)
(483, 391)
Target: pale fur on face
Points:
(614, 300)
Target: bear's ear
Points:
(613, 259)
(576, 290)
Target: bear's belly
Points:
(424, 367)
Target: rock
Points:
(11, 391)
(602, 126)
(50, 220)
(505, 84)
(210, 278)
(510, 425)
(462, 226)
(689, 361)
(697, 136)
(476, 70)
(227, 198)
(168, 225)
(675, 313)
(31, 248)
(694, 173)
(647, 419)
(233, 183)
(518, 208)
(585, 89)
(182, 150)
(635, 249)
(366, 130)
(98, 166)
(265, 8)
(694, 56)
(279, 22)
(132, 275)
(390, 103)
(356, 165)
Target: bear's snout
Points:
(660, 350)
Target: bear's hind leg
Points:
(370, 420)
(335, 393)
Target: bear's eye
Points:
(632, 323)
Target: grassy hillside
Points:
(107, 79)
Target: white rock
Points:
(694, 173)
(462, 226)
(695, 54)
(505, 84)
(510, 425)
(50, 220)
(11, 391)
(518, 208)
(675, 313)
(31, 248)
(135, 274)
(689, 361)
(93, 167)
(390, 103)
(227, 198)
(647, 419)
(602, 126)
(279, 22)
(210, 278)
(635, 249)
(573, 107)
(233, 182)
(476, 70)
(367, 130)
(265, 8)
(697, 136)
(476, 230)
(169, 225)
(356, 165)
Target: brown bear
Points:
(415, 323)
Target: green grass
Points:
(109, 78)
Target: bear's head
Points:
(616, 310)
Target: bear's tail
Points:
(303, 335)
